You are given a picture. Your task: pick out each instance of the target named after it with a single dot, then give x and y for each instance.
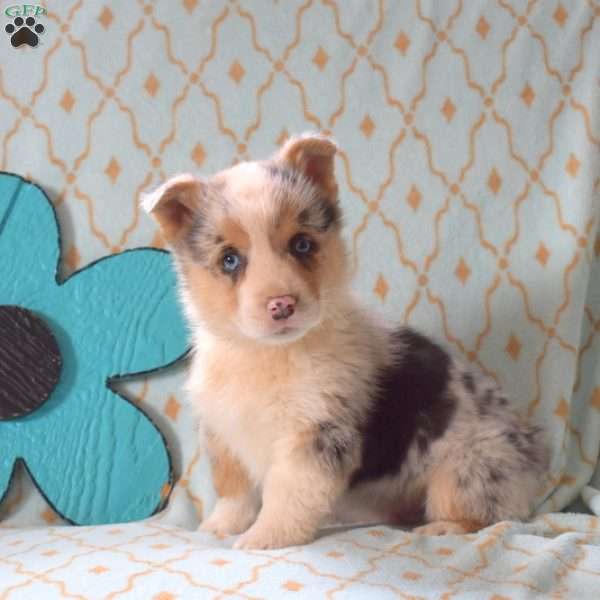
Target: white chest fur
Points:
(250, 425)
(255, 399)
(248, 404)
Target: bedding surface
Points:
(556, 556)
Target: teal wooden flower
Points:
(95, 456)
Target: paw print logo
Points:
(24, 31)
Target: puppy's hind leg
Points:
(495, 480)
(448, 507)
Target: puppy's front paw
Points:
(230, 517)
(220, 527)
(260, 537)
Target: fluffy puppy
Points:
(313, 410)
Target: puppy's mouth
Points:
(287, 329)
(285, 332)
(285, 335)
(269, 331)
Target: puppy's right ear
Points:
(174, 205)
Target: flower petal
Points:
(7, 465)
(122, 313)
(96, 458)
(29, 240)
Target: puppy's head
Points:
(258, 245)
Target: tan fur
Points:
(445, 508)
(442, 527)
(443, 499)
(284, 403)
(237, 506)
(306, 153)
(235, 233)
(229, 477)
(278, 391)
(206, 292)
(174, 204)
(212, 296)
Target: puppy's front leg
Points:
(237, 503)
(295, 501)
(306, 477)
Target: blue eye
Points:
(302, 245)
(231, 262)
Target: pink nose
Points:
(281, 307)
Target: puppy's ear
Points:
(174, 205)
(312, 155)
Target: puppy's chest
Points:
(251, 409)
(243, 409)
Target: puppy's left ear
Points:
(312, 155)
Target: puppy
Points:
(312, 409)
